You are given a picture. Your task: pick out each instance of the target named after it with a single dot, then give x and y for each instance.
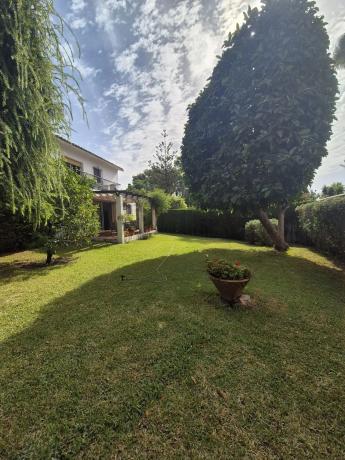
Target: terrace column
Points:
(154, 218)
(141, 217)
(119, 220)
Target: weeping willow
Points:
(37, 78)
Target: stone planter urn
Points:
(229, 290)
(229, 278)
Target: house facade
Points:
(115, 206)
(106, 176)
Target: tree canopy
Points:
(75, 219)
(337, 188)
(164, 172)
(160, 200)
(36, 77)
(258, 131)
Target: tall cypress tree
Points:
(36, 77)
(258, 131)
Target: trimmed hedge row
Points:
(324, 224)
(202, 223)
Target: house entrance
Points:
(106, 216)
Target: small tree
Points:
(36, 77)
(337, 188)
(164, 172)
(258, 131)
(177, 202)
(160, 201)
(77, 222)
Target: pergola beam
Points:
(119, 196)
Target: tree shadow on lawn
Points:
(21, 268)
(26, 269)
(80, 379)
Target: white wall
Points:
(89, 161)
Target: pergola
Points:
(119, 196)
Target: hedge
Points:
(324, 224)
(254, 232)
(202, 223)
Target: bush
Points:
(160, 200)
(220, 268)
(79, 222)
(177, 202)
(202, 223)
(324, 224)
(256, 234)
(15, 233)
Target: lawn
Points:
(155, 366)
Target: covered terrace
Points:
(118, 225)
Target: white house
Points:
(115, 205)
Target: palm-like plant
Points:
(339, 54)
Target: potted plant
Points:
(230, 279)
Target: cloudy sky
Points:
(144, 61)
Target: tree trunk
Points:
(49, 256)
(277, 236)
(281, 222)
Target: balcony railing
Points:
(101, 184)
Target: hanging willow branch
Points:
(37, 78)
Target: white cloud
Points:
(330, 170)
(78, 5)
(85, 70)
(182, 48)
(78, 23)
(162, 61)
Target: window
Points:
(97, 172)
(73, 165)
(74, 168)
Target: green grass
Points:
(157, 367)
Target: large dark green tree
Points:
(258, 131)
(36, 77)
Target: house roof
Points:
(90, 153)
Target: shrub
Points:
(15, 232)
(177, 202)
(324, 224)
(202, 223)
(220, 268)
(160, 200)
(256, 234)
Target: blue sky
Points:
(144, 61)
